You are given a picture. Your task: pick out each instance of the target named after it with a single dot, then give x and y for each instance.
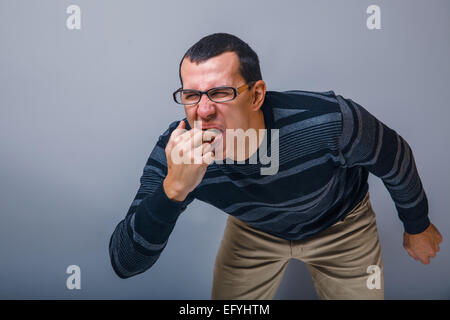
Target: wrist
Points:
(417, 226)
(173, 190)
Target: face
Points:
(222, 70)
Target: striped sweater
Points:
(327, 146)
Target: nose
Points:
(206, 108)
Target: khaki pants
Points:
(250, 263)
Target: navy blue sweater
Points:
(327, 147)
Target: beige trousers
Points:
(344, 260)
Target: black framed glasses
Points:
(217, 94)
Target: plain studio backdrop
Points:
(82, 109)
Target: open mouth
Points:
(214, 130)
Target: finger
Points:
(217, 144)
(209, 134)
(201, 136)
(196, 154)
(412, 254)
(187, 135)
(175, 154)
(199, 152)
(203, 148)
(206, 147)
(184, 139)
(438, 234)
(191, 140)
(436, 246)
(208, 158)
(433, 245)
(425, 260)
(437, 241)
(179, 130)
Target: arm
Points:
(141, 236)
(368, 142)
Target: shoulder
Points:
(300, 105)
(298, 99)
(293, 97)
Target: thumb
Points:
(179, 130)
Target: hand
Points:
(424, 245)
(187, 159)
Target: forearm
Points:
(141, 236)
(405, 187)
(126, 259)
(139, 239)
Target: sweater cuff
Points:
(416, 226)
(162, 207)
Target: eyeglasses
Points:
(217, 94)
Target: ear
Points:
(258, 94)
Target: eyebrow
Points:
(212, 87)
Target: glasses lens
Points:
(221, 94)
(187, 97)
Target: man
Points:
(314, 208)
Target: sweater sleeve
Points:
(138, 240)
(365, 141)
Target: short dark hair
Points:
(217, 43)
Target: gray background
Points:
(81, 111)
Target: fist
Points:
(188, 154)
(424, 245)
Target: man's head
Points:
(222, 59)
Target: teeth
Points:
(215, 130)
